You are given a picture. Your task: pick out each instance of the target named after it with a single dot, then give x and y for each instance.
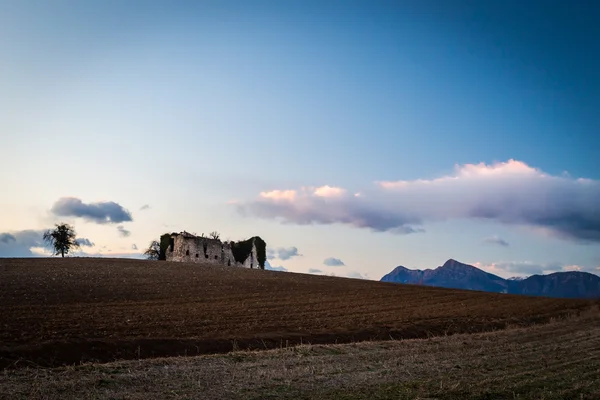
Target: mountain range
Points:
(456, 275)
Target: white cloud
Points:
(333, 262)
(21, 243)
(355, 275)
(271, 268)
(283, 253)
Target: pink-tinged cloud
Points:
(279, 195)
(508, 192)
(306, 206)
(329, 191)
(527, 268)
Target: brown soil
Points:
(67, 311)
(555, 361)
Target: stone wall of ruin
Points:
(252, 260)
(200, 250)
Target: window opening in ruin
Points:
(229, 263)
(206, 256)
(216, 257)
(187, 252)
(196, 255)
(171, 244)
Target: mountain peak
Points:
(456, 275)
(453, 263)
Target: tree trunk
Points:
(62, 252)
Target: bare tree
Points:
(153, 251)
(62, 239)
(215, 235)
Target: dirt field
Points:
(555, 361)
(67, 311)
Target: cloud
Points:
(314, 271)
(495, 240)
(21, 243)
(304, 207)
(6, 238)
(355, 275)
(85, 242)
(329, 191)
(122, 231)
(280, 268)
(506, 192)
(528, 268)
(283, 253)
(271, 268)
(107, 212)
(134, 247)
(333, 262)
(144, 207)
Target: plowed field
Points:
(65, 311)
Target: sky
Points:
(352, 136)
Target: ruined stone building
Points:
(185, 247)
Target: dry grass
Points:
(558, 360)
(67, 311)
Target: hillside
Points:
(57, 311)
(456, 275)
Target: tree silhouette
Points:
(153, 251)
(62, 239)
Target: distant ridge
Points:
(456, 275)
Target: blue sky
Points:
(464, 126)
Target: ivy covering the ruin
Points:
(164, 245)
(261, 251)
(242, 249)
